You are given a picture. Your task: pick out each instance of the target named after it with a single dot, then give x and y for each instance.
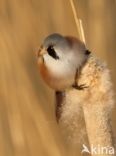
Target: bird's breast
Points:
(58, 78)
(45, 72)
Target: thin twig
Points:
(82, 31)
(78, 22)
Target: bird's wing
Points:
(60, 95)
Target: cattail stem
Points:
(99, 130)
(96, 117)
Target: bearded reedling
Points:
(83, 88)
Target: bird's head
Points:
(58, 58)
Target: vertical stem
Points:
(76, 18)
(78, 22)
(82, 31)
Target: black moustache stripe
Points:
(52, 52)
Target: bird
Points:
(63, 57)
(82, 85)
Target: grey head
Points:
(62, 56)
(56, 45)
(59, 46)
(54, 40)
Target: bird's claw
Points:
(80, 87)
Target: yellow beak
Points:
(41, 51)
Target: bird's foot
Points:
(79, 87)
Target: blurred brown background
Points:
(27, 120)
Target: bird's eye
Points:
(52, 52)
